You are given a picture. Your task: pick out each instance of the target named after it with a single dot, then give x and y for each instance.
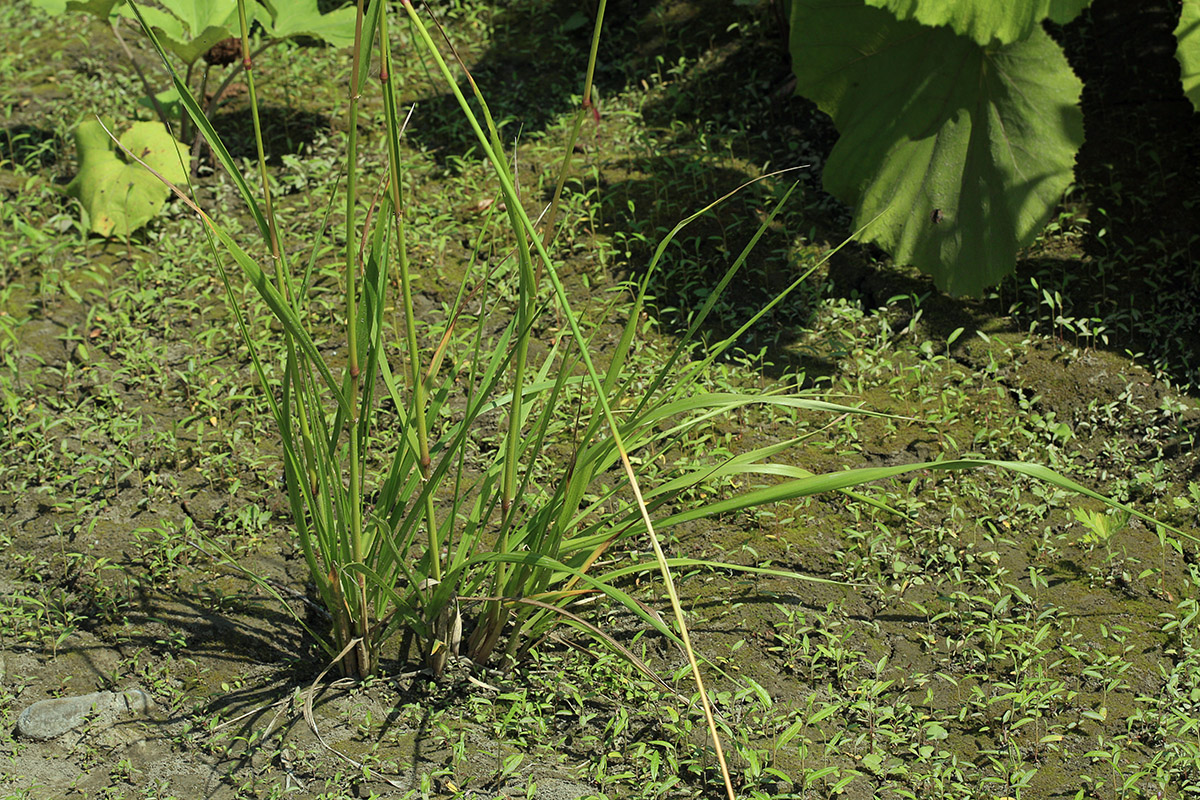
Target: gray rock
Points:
(48, 719)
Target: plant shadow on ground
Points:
(711, 80)
(1128, 259)
(288, 129)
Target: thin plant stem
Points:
(158, 109)
(488, 632)
(580, 116)
(268, 205)
(292, 374)
(353, 367)
(415, 377)
(434, 654)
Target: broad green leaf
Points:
(985, 21)
(154, 145)
(952, 155)
(119, 197)
(1060, 12)
(836, 481)
(302, 18)
(1188, 54)
(168, 101)
(189, 28)
(100, 8)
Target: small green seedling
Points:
(1101, 527)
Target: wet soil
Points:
(105, 589)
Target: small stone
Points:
(559, 789)
(136, 701)
(48, 719)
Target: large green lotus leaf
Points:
(952, 155)
(1188, 37)
(94, 150)
(189, 28)
(119, 197)
(154, 145)
(985, 21)
(290, 18)
(1061, 12)
(168, 100)
(101, 8)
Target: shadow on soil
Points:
(1135, 114)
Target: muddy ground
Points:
(989, 627)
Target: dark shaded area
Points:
(1132, 214)
(708, 70)
(286, 130)
(534, 68)
(1136, 177)
(1139, 176)
(28, 146)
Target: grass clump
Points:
(401, 542)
